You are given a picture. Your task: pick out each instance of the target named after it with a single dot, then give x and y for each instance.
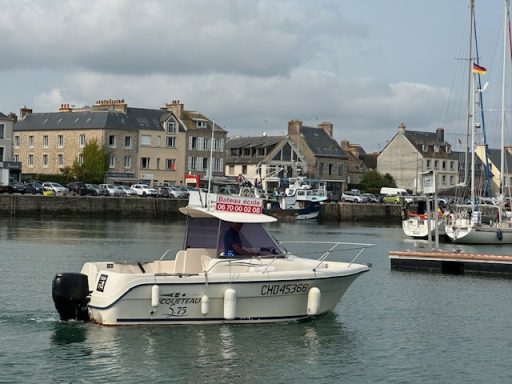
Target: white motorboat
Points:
(302, 199)
(201, 285)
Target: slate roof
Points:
(250, 142)
(494, 155)
(2, 116)
(321, 143)
(134, 119)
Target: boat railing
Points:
(334, 245)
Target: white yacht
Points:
(201, 285)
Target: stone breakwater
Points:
(154, 208)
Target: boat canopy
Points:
(208, 232)
(234, 217)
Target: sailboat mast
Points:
(506, 21)
(471, 125)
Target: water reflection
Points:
(69, 333)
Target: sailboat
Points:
(468, 227)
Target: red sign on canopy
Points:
(239, 204)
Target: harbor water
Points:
(390, 327)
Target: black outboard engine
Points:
(70, 293)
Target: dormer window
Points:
(201, 124)
(436, 148)
(171, 127)
(424, 147)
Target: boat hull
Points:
(465, 231)
(181, 300)
(418, 228)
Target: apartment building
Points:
(143, 145)
(10, 168)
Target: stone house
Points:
(9, 166)
(411, 153)
(154, 146)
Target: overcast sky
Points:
(251, 65)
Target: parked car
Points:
(144, 190)
(58, 189)
(162, 191)
(17, 187)
(353, 197)
(89, 190)
(74, 187)
(177, 193)
(112, 190)
(371, 198)
(128, 191)
(34, 187)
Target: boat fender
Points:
(314, 298)
(499, 235)
(205, 305)
(229, 304)
(155, 295)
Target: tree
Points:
(373, 181)
(94, 165)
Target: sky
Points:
(251, 65)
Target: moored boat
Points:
(204, 284)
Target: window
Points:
(330, 169)
(443, 164)
(436, 164)
(60, 160)
(112, 161)
(321, 169)
(201, 124)
(112, 141)
(157, 163)
(30, 160)
(192, 143)
(1, 153)
(2, 131)
(80, 159)
(45, 160)
(81, 141)
(145, 140)
(144, 162)
(218, 164)
(231, 170)
(17, 158)
(31, 143)
(340, 169)
(171, 127)
(127, 162)
(205, 163)
(191, 163)
(170, 164)
(127, 141)
(60, 141)
(428, 164)
(45, 141)
(451, 165)
(171, 142)
(244, 169)
(17, 141)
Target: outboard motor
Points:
(70, 293)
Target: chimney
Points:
(439, 136)
(344, 144)
(327, 127)
(13, 116)
(294, 127)
(24, 112)
(175, 107)
(401, 128)
(118, 105)
(65, 108)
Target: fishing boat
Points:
(204, 283)
(466, 226)
(300, 200)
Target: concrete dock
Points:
(451, 262)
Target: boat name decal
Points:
(239, 204)
(183, 300)
(283, 289)
(101, 283)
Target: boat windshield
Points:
(209, 233)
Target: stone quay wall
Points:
(383, 213)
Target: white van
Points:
(395, 195)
